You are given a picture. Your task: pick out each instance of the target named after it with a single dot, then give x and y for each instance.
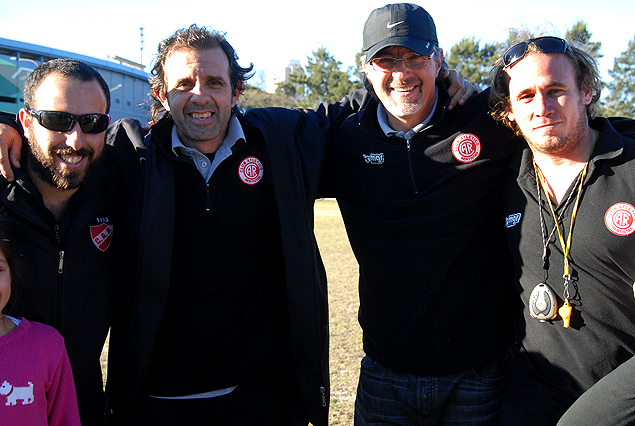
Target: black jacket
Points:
(424, 221)
(295, 150)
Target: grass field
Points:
(346, 336)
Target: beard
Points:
(43, 165)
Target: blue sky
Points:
(270, 33)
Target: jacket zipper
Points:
(60, 270)
(60, 263)
(411, 168)
(60, 266)
(207, 201)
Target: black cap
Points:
(402, 24)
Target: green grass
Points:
(345, 333)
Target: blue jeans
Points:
(472, 397)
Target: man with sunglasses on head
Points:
(60, 213)
(568, 204)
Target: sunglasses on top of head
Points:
(547, 44)
(64, 121)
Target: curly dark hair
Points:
(194, 38)
(587, 75)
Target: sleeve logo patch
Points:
(101, 235)
(466, 147)
(620, 219)
(250, 170)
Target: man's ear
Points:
(240, 87)
(24, 116)
(438, 60)
(162, 98)
(587, 94)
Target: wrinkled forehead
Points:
(187, 63)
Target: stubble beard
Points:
(559, 145)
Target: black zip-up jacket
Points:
(295, 151)
(67, 270)
(424, 220)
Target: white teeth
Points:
(201, 116)
(71, 159)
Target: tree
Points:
(579, 34)
(356, 72)
(474, 63)
(621, 98)
(254, 97)
(321, 80)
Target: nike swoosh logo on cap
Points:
(394, 24)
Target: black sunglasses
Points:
(64, 121)
(545, 44)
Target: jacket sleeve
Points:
(11, 120)
(126, 150)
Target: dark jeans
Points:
(472, 397)
(261, 403)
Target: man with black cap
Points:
(418, 188)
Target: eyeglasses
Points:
(414, 62)
(64, 121)
(545, 44)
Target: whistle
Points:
(565, 313)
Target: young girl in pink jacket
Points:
(36, 381)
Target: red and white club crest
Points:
(620, 219)
(251, 170)
(466, 147)
(101, 235)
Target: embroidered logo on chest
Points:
(101, 235)
(466, 147)
(513, 220)
(620, 219)
(250, 170)
(374, 158)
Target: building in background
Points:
(128, 82)
(276, 77)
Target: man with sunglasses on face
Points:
(568, 204)
(60, 215)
